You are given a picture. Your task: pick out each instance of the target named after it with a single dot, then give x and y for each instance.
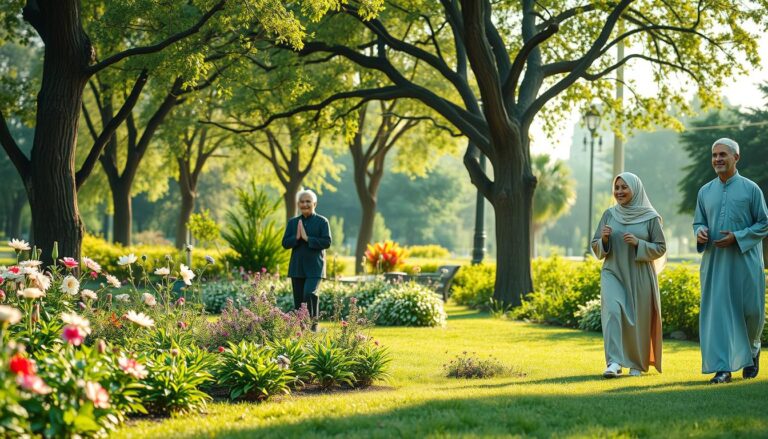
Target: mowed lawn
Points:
(562, 394)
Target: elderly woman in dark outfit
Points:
(307, 235)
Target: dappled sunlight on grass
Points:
(561, 394)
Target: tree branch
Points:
(159, 46)
(19, 160)
(510, 84)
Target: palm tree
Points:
(554, 193)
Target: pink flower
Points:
(14, 270)
(263, 269)
(94, 275)
(2, 295)
(182, 325)
(353, 300)
(221, 349)
(97, 394)
(376, 342)
(180, 302)
(69, 262)
(133, 368)
(344, 323)
(1, 279)
(33, 383)
(73, 335)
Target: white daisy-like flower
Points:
(88, 294)
(40, 280)
(19, 245)
(140, 319)
(186, 274)
(70, 285)
(112, 280)
(127, 259)
(31, 293)
(149, 299)
(123, 298)
(75, 320)
(91, 264)
(163, 271)
(9, 314)
(31, 263)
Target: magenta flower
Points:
(69, 262)
(73, 335)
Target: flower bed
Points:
(76, 361)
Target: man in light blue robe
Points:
(730, 222)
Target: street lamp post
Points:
(592, 119)
(478, 249)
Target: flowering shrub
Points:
(408, 304)
(589, 316)
(384, 256)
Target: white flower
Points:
(112, 280)
(75, 320)
(19, 245)
(31, 263)
(123, 298)
(31, 293)
(163, 271)
(140, 319)
(9, 315)
(149, 299)
(186, 274)
(133, 368)
(70, 285)
(91, 264)
(127, 259)
(40, 280)
(88, 294)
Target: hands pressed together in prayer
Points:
(629, 238)
(301, 233)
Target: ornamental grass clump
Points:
(472, 366)
(254, 372)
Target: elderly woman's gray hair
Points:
(306, 192)
(730, 143)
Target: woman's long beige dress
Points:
(630, 304)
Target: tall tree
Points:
(522, 57)
(70, 60)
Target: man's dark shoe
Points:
(720, 378)
(751, 371)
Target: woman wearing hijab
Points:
(630, 238)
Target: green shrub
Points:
(369, 363)
(106, 255)
(294, 349)
(473, 285)
(217, 293)
(408, 304)
(420, 267)
(330, 365)
(680, 292)
(428, 251)
(255, 239)
(335, 266)
(469, 366)
(253, 372)
(174, 381)
(589, 315)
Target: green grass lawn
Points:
(562, 394)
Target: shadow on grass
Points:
(464, 314)
(712, 411)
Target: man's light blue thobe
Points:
(732, 278)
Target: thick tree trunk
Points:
(188, 198)
(513, 264)
(365, 234)
(289, 197)
(121, 200)
(14, 217)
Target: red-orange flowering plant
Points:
(384, 256)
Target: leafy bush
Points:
(408, 304)
(217, 294)
(256, 240)
(336, 266)
(107, 255)
(473, 285)
(254, 372)
(469, 366)
(420, 267)
(174, 381)
(680, 292)
(330, 365)
(428, 251)
(589, 315)
(369, 364)
(294, 350)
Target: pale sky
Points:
(741, 91)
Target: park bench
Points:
(439, 280)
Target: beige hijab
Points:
(638, 210)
